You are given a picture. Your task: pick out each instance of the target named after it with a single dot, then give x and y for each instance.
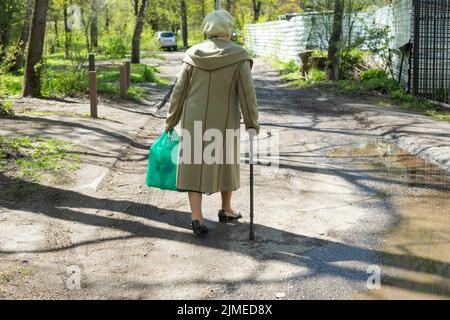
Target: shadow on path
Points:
(318, 256)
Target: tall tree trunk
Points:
(67, 33)
(94, 24)
(32, 77)
(136, 42)
(228, 6)
(184, 30)
(203, 8)
(86, 26)
(335, 40)
(256, 10)
(107, 17)
(7, 8)
(22, 45)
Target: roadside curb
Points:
(439, 156)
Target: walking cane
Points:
(251, 135)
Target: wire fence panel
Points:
(431, 50)
(420, 31)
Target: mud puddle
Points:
(415, 253)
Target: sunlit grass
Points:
(37, 157)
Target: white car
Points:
(167, 39)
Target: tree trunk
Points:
(32, 76)
(228, 6)
(136, 42)
(22, 45)
(184, 30)
(86, 25)
(94, 23)
(107, 17)
(67, 33)
(6, 11)
(256, 10)
(333, 48)
(203, 9)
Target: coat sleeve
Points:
(247, 97)
(178, 97)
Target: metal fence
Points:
(431, 50)
(420, 31)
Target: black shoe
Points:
(225, 217)
(199, 228)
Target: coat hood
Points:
(215, 53)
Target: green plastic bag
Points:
(162, 162)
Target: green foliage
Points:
(316, 75)
(377, 41)
(373, 74)
(6, 108)
(285, 67)
(69, 81)
(9, 58)
(319, 53)
(350, 62)
(33, 157)
(10, 84)
(116, 47)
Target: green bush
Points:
(383, 85)
(6, 108)
(116, 47)
(64, 82)
(373, 74)
(290, 66)
(10, 84)
(350, 61)
(316, 75)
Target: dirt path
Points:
(342, 203)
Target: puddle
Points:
(416, 252)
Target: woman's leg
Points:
(226, 201)
(195, 200)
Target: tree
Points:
(140, 20)
(22, 44)
(32, 76)
(7, 10)
(67, 32)
(94, 25)
(256, 10)
(228, 5)
(184, 30)
(333, 48)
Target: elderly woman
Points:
(215, 79)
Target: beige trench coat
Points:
(214, 86)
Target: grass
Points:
(36, 157)
(6, 108)
(62, 78)
(374, 83)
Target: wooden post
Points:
(128, 72)
(91, 62)
(93, 93)
(93, 99)
(123, 81)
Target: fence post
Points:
(93, 99)
(128, 73)
(125, 71)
